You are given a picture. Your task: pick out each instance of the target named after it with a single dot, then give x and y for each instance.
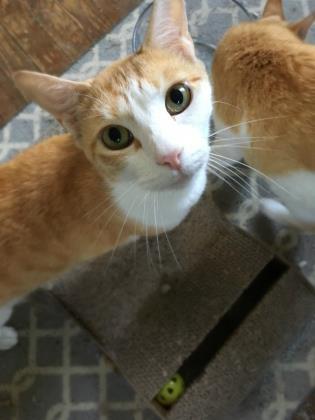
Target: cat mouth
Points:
(178, 181)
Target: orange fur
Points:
(57, 206)
(52, 213)
(264, 70)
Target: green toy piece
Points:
(171, 391)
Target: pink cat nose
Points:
(171, 159)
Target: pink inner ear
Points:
(169, 28)
(302, 27)
(55, 95)
(274, 8)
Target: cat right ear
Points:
(302, 27)
(274, 8)
(168, 28)
(58, 96)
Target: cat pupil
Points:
(177, 97)
(115, 135)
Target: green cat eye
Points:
(178, 98)
(116, 137)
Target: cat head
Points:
(273, 14)
(263, 84)
(144, 119)
(258, 54)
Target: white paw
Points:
(278, 212)
(274, 209)
(8, 338)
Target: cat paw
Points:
(277, 212)
(274, 209)
(8, 338)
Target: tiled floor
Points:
(56, 372)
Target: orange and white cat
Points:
(134, 161)
(264, 84)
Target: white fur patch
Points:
(298, 195)
(158, 195)
(296, 190)
(163, 209)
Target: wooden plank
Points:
(88, 15)
(11, 100)
(98, 16)
(18, 20)
(67, 32)
(48, 36)
(12, 57)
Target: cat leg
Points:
(278, 212)
(8, 336)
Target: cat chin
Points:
(163, 209)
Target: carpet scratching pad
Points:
(48, 36)
(213, 320)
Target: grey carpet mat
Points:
(56, 371)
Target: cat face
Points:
(151, 126)
(144, 121)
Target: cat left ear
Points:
(58, 96)
(273, 8)
(168, 28)
(302, 27)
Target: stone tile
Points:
(20, 319)
(50, 313)
(49, 126)
(10, 153)
(120, 415)
(289, 415)
(118, 388)
(49, 351)
(84, 388)
(13, 360)
(7, 413)
(150, 415)
(84, 415)
(109, 50)
(42, 393)
(216, 25)
(296, 385)
(22, 131)
(84, 351)
(293, 9)
(85, 59)
(222, 4)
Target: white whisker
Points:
(156, 230)
(150, 262)
(233, 139)
(243, 174)
(227, 103)
(172, 250)
(272, 181)
(222, 175)
(120, 233)
(243, 123)
(243, 183)
(249, 147)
